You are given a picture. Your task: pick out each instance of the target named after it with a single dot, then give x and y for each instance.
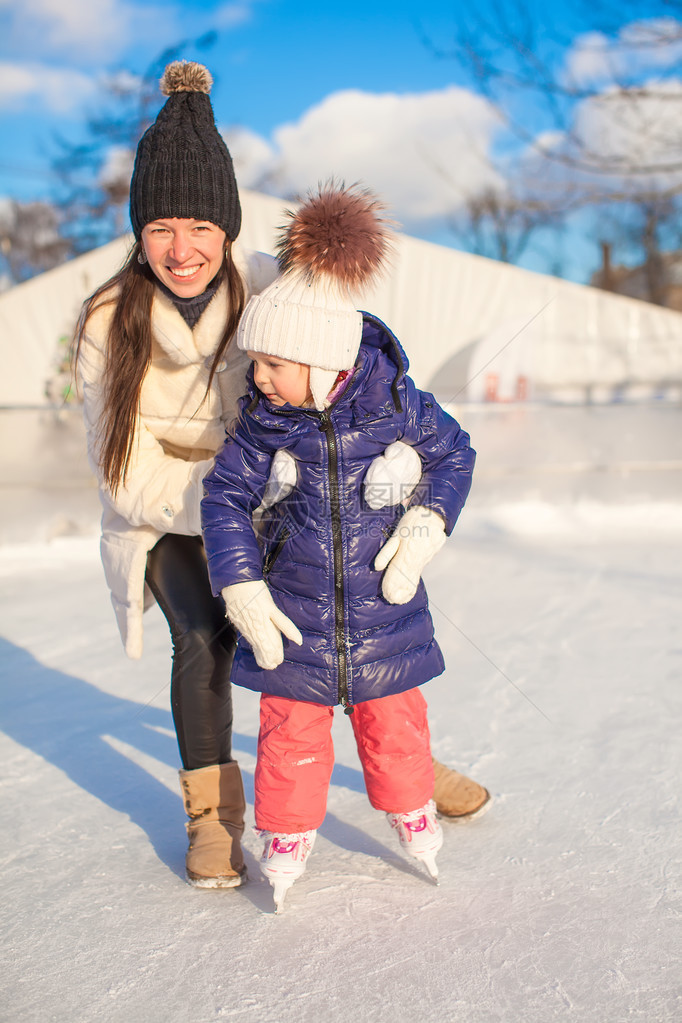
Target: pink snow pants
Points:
(296, 757)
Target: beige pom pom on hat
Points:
(333, 246)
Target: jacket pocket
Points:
(274, 551)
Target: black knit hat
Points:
(182, 167)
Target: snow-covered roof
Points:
(523, 330)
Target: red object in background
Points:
(492, 381)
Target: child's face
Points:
(281, 381)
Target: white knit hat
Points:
(334, 245)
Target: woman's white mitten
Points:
(392, 477)
(251, 609)
(419, 535)
(281, 481)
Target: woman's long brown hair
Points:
(128, 354)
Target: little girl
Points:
(340, 581)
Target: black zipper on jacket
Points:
(337, 550)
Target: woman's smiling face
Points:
(184, 254)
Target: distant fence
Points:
(550, 453)
(563, 453)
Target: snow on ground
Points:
(560, 626)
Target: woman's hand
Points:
(281, 481)
(392, 477)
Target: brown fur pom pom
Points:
(338, 233)
(185, 76)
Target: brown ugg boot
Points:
(457, 796)
(215, 805)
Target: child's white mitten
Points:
(253, 612)
(392, 477)
(419, 535)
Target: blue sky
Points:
(302, 91)
(273, 60)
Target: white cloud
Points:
(87, 31)
(55, 27)
(620, 142)
(122, 82)
(117, 168)
(252, 155)
(90, 31)
(423, 153)
(231, 15)
(590, 60)
(640, 48)
(637, 131)
(58, 89)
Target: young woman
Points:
(160, 380)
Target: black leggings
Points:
(203, 649)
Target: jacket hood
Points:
(375, 334)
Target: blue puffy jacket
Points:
(318, 545)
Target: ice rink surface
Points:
(557, 603)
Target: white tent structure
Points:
(473, 328)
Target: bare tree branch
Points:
(594, 104)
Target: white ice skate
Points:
(284, 860)
(420, 834)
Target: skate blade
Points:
(429, 861)
(280, 889)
